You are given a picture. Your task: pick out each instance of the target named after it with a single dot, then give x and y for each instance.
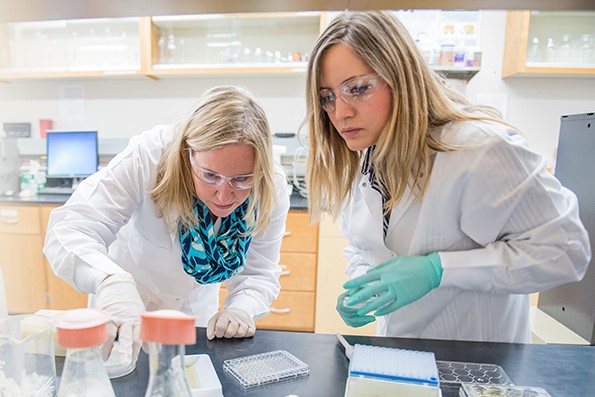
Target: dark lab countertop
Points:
(563, 370)
(297, 202)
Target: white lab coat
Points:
(504, 227)
(109, 225)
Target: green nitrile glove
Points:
(395, 283)
(349, 314)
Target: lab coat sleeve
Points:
(254, 289)
(357, 265)
(80, 231)
(525, 225)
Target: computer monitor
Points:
(72, 154)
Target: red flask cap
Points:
(78, 328)
(170, 327)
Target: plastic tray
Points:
(265, 368)
(454, 373)
(201, 376)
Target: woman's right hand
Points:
(117, 294)
(349, 314)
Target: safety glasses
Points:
(352, 92)
(237, 182)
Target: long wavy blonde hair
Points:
(421, 102)
(224, 115)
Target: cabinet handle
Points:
(286, 234)
(285, 272)
(280, 311)
(11, 221)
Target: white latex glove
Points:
(117, 294)
(230, 323)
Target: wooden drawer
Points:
(291, 311)
(300, 235)
(19, 220)
(299, 271)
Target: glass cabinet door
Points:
(548, 43)
(69, 46)
(228, 43)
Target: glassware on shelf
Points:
(564, 54)
(586, 50)
(550, 51)
(535, 54)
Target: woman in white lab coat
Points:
(451, 219)
(178, 211)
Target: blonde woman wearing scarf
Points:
(179, 211)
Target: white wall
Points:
(122, 107)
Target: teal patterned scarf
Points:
(213, 259)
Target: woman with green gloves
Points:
(451, 219)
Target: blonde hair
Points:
(224, 115)
(421, 102)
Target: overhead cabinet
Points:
(542, 44)
(231, 43)
(70, 48)
(210, 44)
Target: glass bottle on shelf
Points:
(166, 332)
(550, 51)
(82, 331)
(586, 51)
(535, 54)
(565, 51)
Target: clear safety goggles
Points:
(237, 182)
(352, 92)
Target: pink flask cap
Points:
(78, 328)
(171, 327)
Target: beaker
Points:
(27, 366)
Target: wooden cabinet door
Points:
(21, 258)
(24, 277)
(61, 295)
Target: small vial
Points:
(166, 332)
(534, 54)
(82, 331)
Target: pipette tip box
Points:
(381, 371)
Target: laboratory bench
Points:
(563, 370)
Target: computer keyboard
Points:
(56, 190)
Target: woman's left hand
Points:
(231, 323)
